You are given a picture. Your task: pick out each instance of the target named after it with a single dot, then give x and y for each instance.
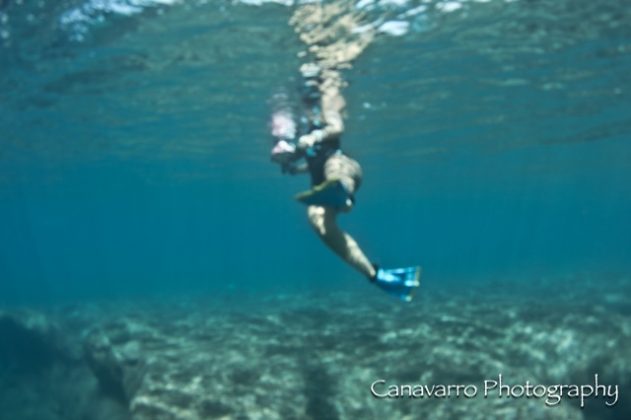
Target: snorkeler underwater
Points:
(164, 165)
(315, 138)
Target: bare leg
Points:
(324, 223)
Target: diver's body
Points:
(324, 160)
(317, 150)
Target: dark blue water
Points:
(494, 138)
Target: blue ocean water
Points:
(134, 149)
(154, 264)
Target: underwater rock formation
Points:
(309, 357)
(315, 357)
(30, 342)
(42, 373)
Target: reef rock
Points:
(307, 357)
(31, 341)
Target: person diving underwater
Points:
(312, 144)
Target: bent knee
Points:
(346, 170)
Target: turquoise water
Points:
(143, 224)
(494, 138)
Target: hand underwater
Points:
(308, 140)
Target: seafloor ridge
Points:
(315, 356)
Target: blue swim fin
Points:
(400, 282)
(330, 193)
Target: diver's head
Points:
(311, 80)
